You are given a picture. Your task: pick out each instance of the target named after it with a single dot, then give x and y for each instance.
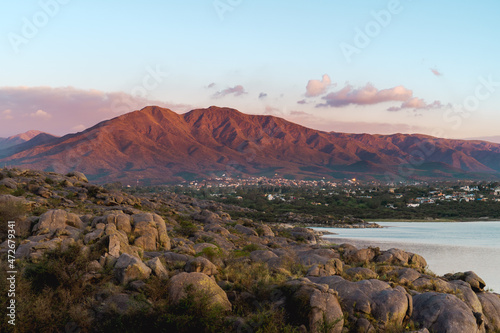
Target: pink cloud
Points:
(68, 108)
(236, 91)
(417, 104)
(366, 95)
(317, 87)
(436, 72)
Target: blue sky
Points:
(84, 55)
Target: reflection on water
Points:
(447, 247)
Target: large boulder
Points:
(245, 230)
(198, 284)
(443, 313)
(400, 258)
(157, 268)
(78, 176)
(363, 255)
(129, 268)
(117, 242)
(389, 306)
(460, 288)
(491, 309)
(477, 284)
(315, 306)
(201, 265)
(118, 218)
(150, 232)
(57, 219)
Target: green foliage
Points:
(211, 253)
(10, 211)
(186, 228)
(19, 192)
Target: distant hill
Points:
(157, 145)
(18, 139)
(495, 139)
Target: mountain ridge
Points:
(159, 145)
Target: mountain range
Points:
(156, 145)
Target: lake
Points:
(448, 247)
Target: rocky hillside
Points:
(157, 145)
(96, 260)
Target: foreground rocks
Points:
(189, 262)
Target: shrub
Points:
(10, 211)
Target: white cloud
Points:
(41, 114)
(317, 87)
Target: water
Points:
(448, 247)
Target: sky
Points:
(377, 67)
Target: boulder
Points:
(491, 309)
(405, 275)
(198, 284)
(129, 268)
(199, 247)
(265, 231)
(118, 218)
(150, 232)
(9, 183)
(78, 176)
(458, 287)
(262, 255)
(331, 267)
(245, 230)
(361, 273)
(217, 229)
(443, 313)
(157, 268)
(57, 219)
(315, 306)
(400, 258)
(304, 234)
(201, 265)
(477, 284)
(389, 306)
(117, 242)
(363, 255)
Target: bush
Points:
(186, 228)
(10, 211)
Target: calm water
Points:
(448, 247)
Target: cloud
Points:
(67, 106)
(436, 72)
(262, 95)
(272, 110)
(302, 102)
(41, 114)
(417, 104)
(236, 91)
(7, 114)
(211, 85)
(299, 113)
(369, 95)
(79, 128)
(317, 87)
(366, 95)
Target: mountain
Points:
(157, 145)
(19, 138)
(495, 139)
